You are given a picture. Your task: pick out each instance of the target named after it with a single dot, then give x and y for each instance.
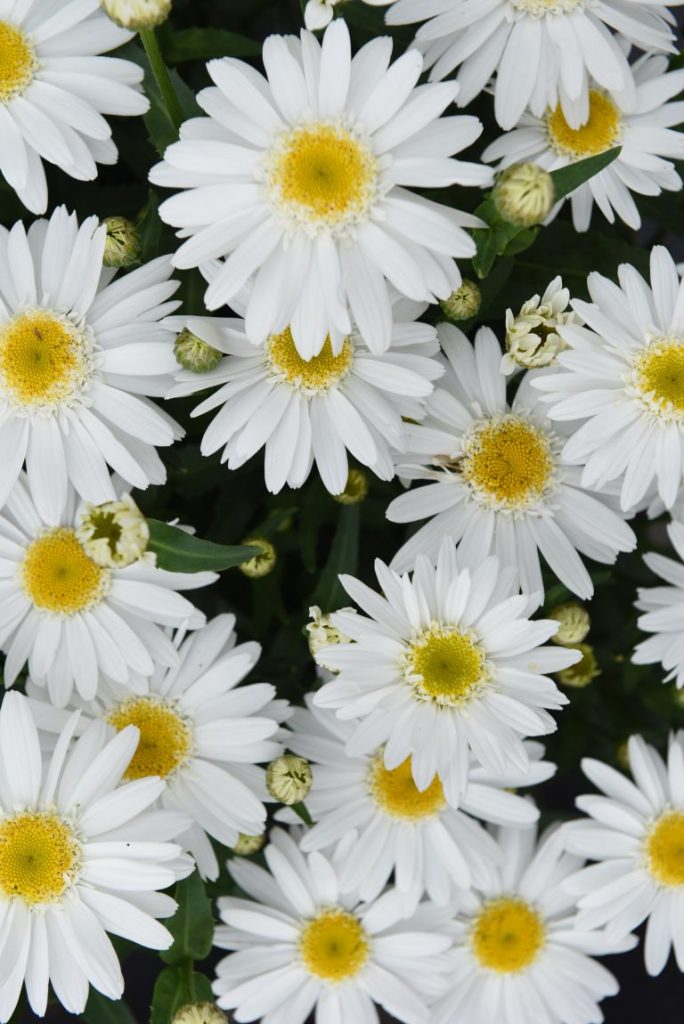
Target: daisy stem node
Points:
(161, 75)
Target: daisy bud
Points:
(524, 194)
(289, 779)
(321, 631)
(574, 623)
(123, 247)
(581, 673)
(199, 1013)
(137, 14)
(247, 845)
(532, 338)
(464, 303)
(261, 564)
(115, 533)
(355, 490)
(194, 354)
(622, 755)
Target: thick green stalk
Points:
(161, 75)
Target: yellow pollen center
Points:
(508, 463)
(44, 359)
(165, 736)
(659, 377)
(17, 61)
(39, 856)
(397, 794)
(58, 576)
(446, 666)
(323, 175)
(334, 946)
(665, 849)
(601, 132)
(317, 374)
(507, 936)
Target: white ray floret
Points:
(663, 611)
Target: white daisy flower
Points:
(645, 135)
(520, 953)
(637, 837)
(430, 847)
(623, 375)
(298, 181)
(447, 662)
(54, 89)
(301, 411)
(72, 619)
(199, 732)
(543, 51)
(76, 352)
(80, 855)
(302, 943)
(498, 481)
(663, 609)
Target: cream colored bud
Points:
(464, 303)
(247, 845)
(289, 779)
(524, 194)
(574, 623)
(321, 631)
(137, 14)
(532, 338)
(194, 354)
(261, 564)
(355, 489)
(199, 1013)
(582, 673)
(115, 533)
(123, 246)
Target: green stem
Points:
(161, 75)
(189, 968)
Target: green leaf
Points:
(175, 987)
(302, 811)
(343, 557)
(192, 926)
(179, 551)
(205, 44)
(150, 228)
(567, 179)
(100, 1010)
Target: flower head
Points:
(524, 194)
(137, 14)
(532, 338)
(123, 246)
(115, 533)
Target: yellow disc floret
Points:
(334, 946)
(601, 132)
(508, 463)
(507, 936)
(59, 577)
(44, 359)
(317, 374)
(446, 666)
(18, 62)
(165, 735)
(39, 857)
(395, 791)
(658, 376)
(665, 849)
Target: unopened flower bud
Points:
(262, 563)
(289, 779)
(355, 489)
(532, 337)
(199, 1013)
(574, 623)
(524, 194)
(581, 673)
(137, 14)
(247, 845)
(322, 632)
(464, 303)
(115, 533)
(123, 246)
(194, 354)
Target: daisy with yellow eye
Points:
(80, 855)
(622, 378)
(54, 88)
(519, 952)
(200, 731)
(645, 134)
(300, 182)
(78, 353)
(301, 943)
(635, 833)
(446, 663)
(497, 482)
(74, 620)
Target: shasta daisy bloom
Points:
(301, 942)
(54, 88)
(299, 181)
(302, 411)
(498, 482)
(645, 135)
(446, 663)
(199, 731)
(623, 376)
(80, 855)
(76, 351)
(429, 846)
(519, 951)
(636, 834)
(663, 609)
(543, 51)
(72, 619)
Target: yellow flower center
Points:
(397, 794)
(317, 374)
(44, 359)
(58, 576)
(334, 946)
(18, 62)
(322, 176)
(508, 463)
(507, 935)
(165, 735)
(39, 857)
(665, 849)
(601, 132)
(658, 376)
(446, 666)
